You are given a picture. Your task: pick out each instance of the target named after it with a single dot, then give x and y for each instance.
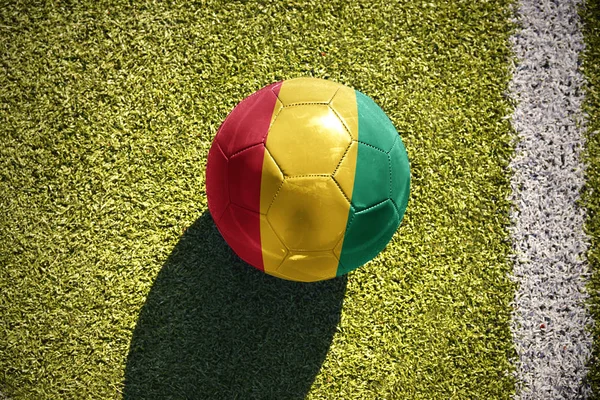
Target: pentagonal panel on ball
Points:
(273, 250)
(307, 90)
(346, 170)
(308, 266)
(374, 126)
(244, 177)
(368, 233)
(309, 213)
(272, 178)
(248, 123)
(344, 105)
(372, 177)
(307, 139)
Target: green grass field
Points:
(114, 280)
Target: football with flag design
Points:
(307, 179)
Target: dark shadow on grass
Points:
(213, 327)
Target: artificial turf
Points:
(113, 279)
(590, 14)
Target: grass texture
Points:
(591, 198)
(113, 280)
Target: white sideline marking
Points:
(550, 317)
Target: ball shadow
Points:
(213, 327)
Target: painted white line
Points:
(550, 317)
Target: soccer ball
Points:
(307, 179)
